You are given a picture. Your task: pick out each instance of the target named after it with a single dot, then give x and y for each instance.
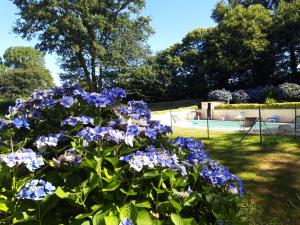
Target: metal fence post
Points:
(171, 118)
(295, 128)
(260, 134)
(207, 125)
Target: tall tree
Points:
(23, 70)
(23, 57)
(96, 39)
(286, 35)
(243, 45)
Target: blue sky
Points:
(171, 20)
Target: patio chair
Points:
(248, 123)
(273, 119)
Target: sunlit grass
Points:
(271, 172)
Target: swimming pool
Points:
(222, 125)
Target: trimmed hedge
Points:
(285, 105)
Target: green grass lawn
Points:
(271, 173)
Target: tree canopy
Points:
(22, 70)
(96, 40)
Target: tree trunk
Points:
(293, 62)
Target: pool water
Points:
(220, 124)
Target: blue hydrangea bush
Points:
(69, 156)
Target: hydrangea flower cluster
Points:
(126, 221)
(218, 175)
(69, 157)
(50, 140)
(36, 190)
(74, 120)
(98, 134)
(156, 128)
(79, 140)
(188, 144)
(21, 123)
(27, 157)
(152, 158)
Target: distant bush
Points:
(270, 101)
(220, 95)
(240, 96)
(289, 92)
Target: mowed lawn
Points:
(271, 173)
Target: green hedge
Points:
(159, 106)
(286, 105)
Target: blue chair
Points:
(273, 119)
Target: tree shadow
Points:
(271, 174)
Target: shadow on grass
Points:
(271, 173)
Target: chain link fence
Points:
(260, 121)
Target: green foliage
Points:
(23, 58)
(19, 82)
(100, 188)
(4, 105)
(289, 92)
(286, 105)
(96, 40)
(220, 95)
(23, 71)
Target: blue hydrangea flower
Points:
(218, 176)
(132, 131)
(3, 123)
(29, 158)
(67, 101)
(72, 121)
(21, 123)
(50, 140)
(47, 103)
(101, 133)
(154, 158)
(36, 190)
(35, 115)
(188, 144)
(99, 100)
(198, 158)
(69, 157)
(156, 128)
(138, 110)
(126, 221)
(117, 93)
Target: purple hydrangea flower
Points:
(126, 221)
(218, 176)
(99, 100)
(188, 144)
(69, 157)
(3, 123)
(156, 128)
(29, 158)
(47, 103)
(67, 101)
(72, 121)
(101, 133)
(50, 140)
(117, 93)
(35, 115)
(36, 190)
(21, 123)
(152, 158)
(198, 158)
(138, 110)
